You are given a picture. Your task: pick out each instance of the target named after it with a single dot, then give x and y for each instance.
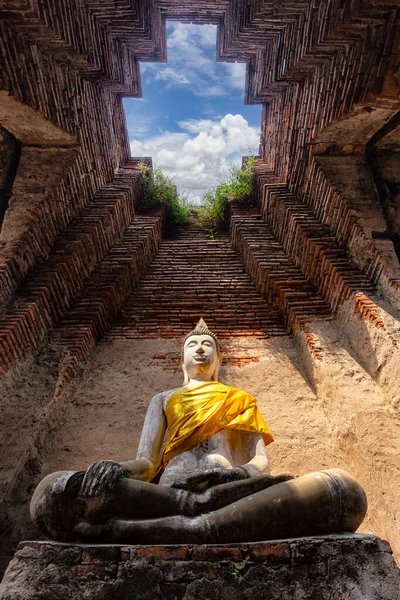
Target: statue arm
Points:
(154, 427)
(258, 463)
(102, 475)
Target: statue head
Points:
(201, 354)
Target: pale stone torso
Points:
(212, 453)
(221, 450)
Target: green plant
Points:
(211, 233)
(159, 190)
(238, 186)
(237, 576)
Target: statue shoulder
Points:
(163, 397)
(242, 395)
(239, 391)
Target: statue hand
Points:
(282, 477)
(139, 468)
(210, 478)
(101, 477)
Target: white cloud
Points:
(196, 125)
(211, 91)
(236, 73)
(188, 36)
(199, 157)
(168, 74)
(191, 61)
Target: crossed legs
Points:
(247, 510)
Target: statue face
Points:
(200, 356)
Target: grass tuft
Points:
(238, 186)
(159, 190)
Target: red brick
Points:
(268, 551)
(162, 552)
(216, 553)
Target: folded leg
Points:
(318, 503)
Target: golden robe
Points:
(195, 414)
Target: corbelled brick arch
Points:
(327, 74)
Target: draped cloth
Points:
(195, 414)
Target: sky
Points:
(192, 119)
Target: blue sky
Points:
(192, 119)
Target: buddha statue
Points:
(213, 482)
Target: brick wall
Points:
(49, 290)
(337, 566)
(193, 276)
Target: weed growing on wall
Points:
(159, 190)
(238, 186)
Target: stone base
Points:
(335, 567)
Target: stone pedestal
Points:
(335, 567)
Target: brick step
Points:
(191, 277)
(274, 273)
(276, 276)
(320, 257)
(52, 287)
(108, 288)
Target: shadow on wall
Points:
(35, 156)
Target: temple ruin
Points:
(303, 286)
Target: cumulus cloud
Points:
(199, 156)
(191, 62)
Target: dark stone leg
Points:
(57, 511)
(324, 502)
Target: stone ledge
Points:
(334, 567)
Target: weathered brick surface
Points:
(48, 292)
(59, 70)
(294, 55)
(257, 242)
(328, 568)
(312, 246)
(193, 276)
(342, 194)
(324, 262)
(327, 74)
(296, 60)
(108, 288)
(276, 276)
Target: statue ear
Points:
(216, 372)
(186, 377)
